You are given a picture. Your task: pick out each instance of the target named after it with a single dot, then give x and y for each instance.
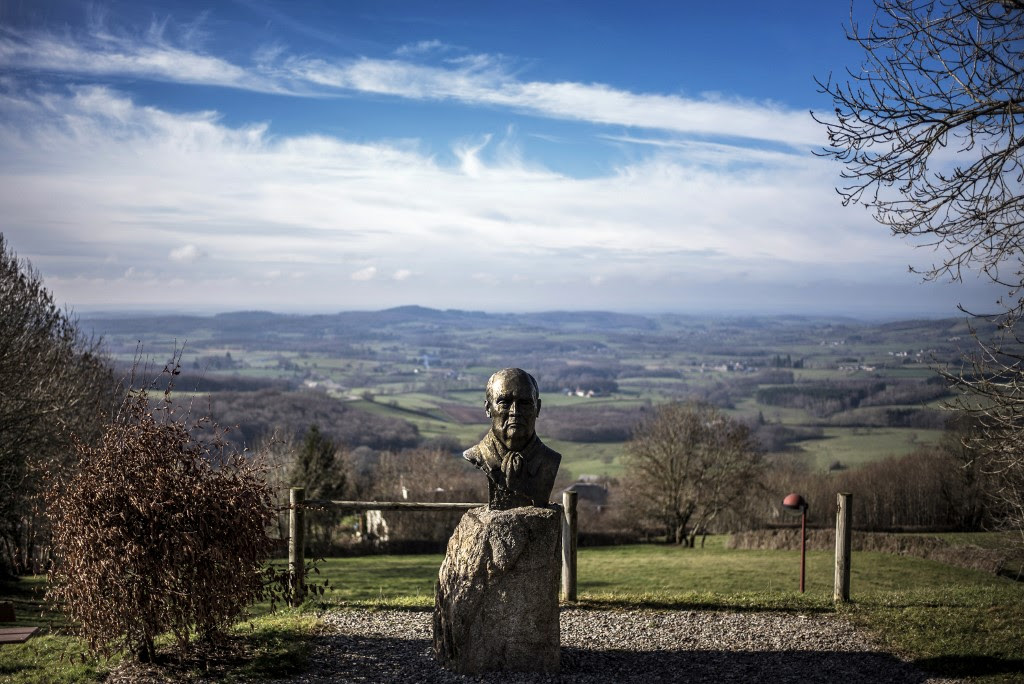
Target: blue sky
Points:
(322, 156)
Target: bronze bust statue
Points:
(520, 469)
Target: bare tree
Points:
(930, 131)
(276, 451)
(54, 382)
(993, 397)
(425, 474)
(686, 465)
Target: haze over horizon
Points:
(415, 311)
(319, 157)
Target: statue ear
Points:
(487, 407)
(538, 406)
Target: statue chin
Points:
(515, 438)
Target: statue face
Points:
(513, 408)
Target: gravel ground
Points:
(648, 646)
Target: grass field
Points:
(857, 446)
(954, 622)
(666, 570)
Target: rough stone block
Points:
(496, 602)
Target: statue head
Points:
(512, 404)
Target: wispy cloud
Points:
(102, 54)
(471, 79)
(422, 47)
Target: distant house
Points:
(373, 528)
(590, 493)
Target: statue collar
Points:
(495, 451)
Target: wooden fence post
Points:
(843, 546)
(296, 544)
(569, 530)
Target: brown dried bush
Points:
(158, 529)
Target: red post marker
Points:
(796, 503)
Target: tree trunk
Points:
(147, 651)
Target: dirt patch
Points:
(466, 415)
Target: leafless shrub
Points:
(158, 528)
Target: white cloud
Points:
(186, 254)
(468, 155)
(368, 273)
(661, 232)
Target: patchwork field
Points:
(855, 391)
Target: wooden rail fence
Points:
(296, 532)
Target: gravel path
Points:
(649, 646)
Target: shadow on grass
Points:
(696, 602)
(363, 658)
(270, 654)
(1010, 572)
(30, 609)
(380, 604)
(971, 665)
(701, 604)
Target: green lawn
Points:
(671, 570)
(667, 570)
(579, 458)
(955, 622)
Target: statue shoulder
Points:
(547, 452)
(473, 455)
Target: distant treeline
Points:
(562, 376)
(827, 398)
(589, 423)
(200, 379)
(252, 415)
(616, 424)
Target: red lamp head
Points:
(794, 502)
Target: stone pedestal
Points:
(496, 602)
